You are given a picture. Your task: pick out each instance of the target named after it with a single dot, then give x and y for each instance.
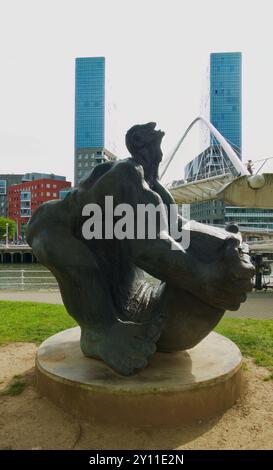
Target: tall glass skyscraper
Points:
(89, 102)
(225, 93)
(89, 116)
(225, 96)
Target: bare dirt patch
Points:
(15, 359)
(30, 421)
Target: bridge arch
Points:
(241, 170)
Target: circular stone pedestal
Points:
(175, 388)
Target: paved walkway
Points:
(45, 297)
(258, 305)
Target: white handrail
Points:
(21, 280)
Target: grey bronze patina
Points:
(123, 319)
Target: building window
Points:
(48, 185)
(54, 194)
(3, 187)
(25, 196)
(48, 194)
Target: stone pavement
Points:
(49, 297)
(258, 305)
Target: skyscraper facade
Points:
(90, 105)
(225, 96)
(225, 113)
(89, 102)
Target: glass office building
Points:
(89, 116)
(89, 102)
(225, 96)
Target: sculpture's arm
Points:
(221, 283)
(163, 193)
(192, 226)
(210, 237)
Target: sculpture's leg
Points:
(123, 345)
(188, 319)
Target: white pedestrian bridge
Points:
(234, 185)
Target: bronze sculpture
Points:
(123, 319)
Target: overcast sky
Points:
(156, 55)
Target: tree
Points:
(11, 230)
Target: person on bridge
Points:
(250, 166)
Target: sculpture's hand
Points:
(227, 281)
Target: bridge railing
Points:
(260, 242)
(27, 279)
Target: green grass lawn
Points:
(34, 322)
(31, 321)
(253, 337)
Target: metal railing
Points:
(27, 279)
(260, 242)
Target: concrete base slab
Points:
(175, 388)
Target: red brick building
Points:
(25, 198)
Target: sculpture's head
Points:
(143, 143)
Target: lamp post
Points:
(7, 234)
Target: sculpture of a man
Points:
(123, 319)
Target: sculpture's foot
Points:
(125, 347)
